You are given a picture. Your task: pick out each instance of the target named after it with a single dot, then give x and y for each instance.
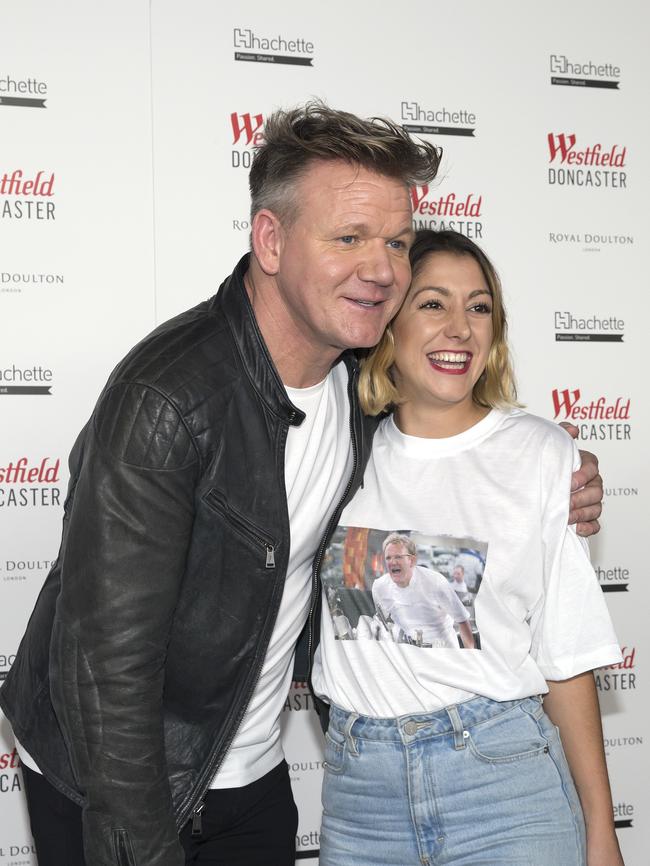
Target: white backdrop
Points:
(140, 118)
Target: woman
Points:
(439, 749)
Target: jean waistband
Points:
(452, 719)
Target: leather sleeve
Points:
(130, 522)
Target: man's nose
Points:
(377, 265)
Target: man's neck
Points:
(298, 362)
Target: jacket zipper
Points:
(197, 821)
(242, 526)
(333, 520)
(214, 764)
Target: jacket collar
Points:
(254, 355)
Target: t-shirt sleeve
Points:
(572, 631)
(439, 586)
(458, 609)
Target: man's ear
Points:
(266, 240)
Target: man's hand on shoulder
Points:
(586, 503)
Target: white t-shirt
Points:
(426, 609)
(318, 463)
(497, 496)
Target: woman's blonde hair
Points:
(496, 386)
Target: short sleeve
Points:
(572, 631)
(439, 587)
(459, 611)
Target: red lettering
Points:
(565, 402)
(564, 146)
(243, 123)
(9, 760)
(418, 194)
(560, 145)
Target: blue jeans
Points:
(481, 782)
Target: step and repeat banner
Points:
(127, 132)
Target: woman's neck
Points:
(436, 422)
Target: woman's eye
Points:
(482, 308)
(431, 305)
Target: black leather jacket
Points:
(150, 632)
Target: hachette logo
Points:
(623, 815)
(293, 51)
(27, 196)
(582, 73)
(612, 416)
(595, 166)
(613, 579)
(23, 485)
(247, 133)
(618, 677)
(572, 328)
(437, 121)
(22, 92)
(307, 845)
(29, 380)
(6, 661)
(435, 210)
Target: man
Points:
(418, 600)
(149, 684)
(458, 582)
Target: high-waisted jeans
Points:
(481, 782)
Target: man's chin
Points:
(361, 337)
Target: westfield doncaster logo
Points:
(20, 472)
(17, 184)
(569, 406)
(246, 128)
(444, 205)
(563, 148)
(9, 760)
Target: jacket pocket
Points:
(245, 528)
(122, 849)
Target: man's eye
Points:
(397, 245)
(347, 239)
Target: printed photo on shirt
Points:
(404, 586)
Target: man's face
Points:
(344, 268)
(459, 574)
(400, 564)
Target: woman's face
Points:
(443, 335)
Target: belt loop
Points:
(459, 732)
(347, 731)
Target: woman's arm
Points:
(572, 705)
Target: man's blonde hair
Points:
(404, 540)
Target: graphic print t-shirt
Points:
(492, 501)
(425, 609)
